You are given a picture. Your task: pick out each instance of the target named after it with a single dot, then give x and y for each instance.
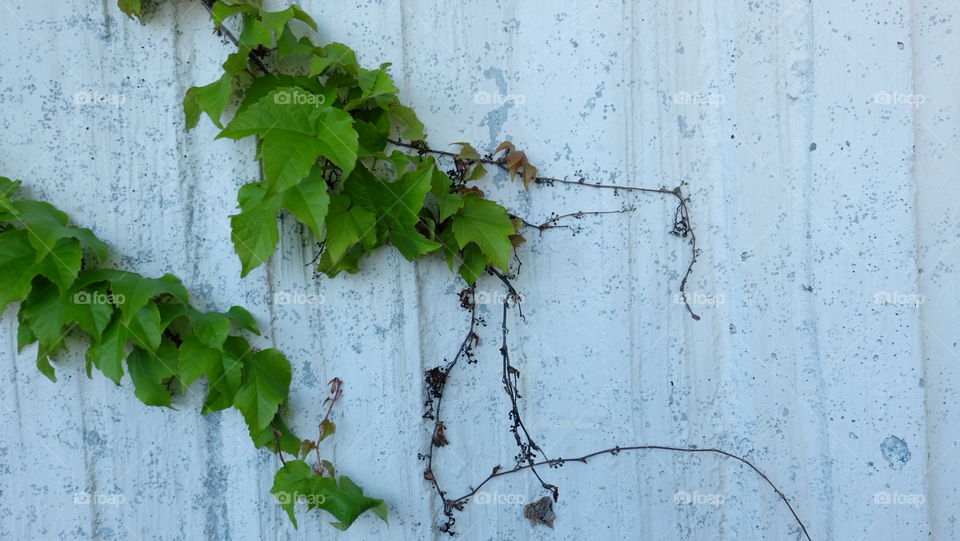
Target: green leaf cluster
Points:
(322, 124)
(143, 327)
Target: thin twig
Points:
(616, 450)
(681, 225)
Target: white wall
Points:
(808, 385)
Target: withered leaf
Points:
(540, 512)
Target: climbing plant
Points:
(347, 159)
(149, 324)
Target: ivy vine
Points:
(348, 160)
(148, 324)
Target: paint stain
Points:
(895, 452)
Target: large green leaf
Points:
(211, 99)
(150, 371)
(296, 481)
(485, 223)
(107, 354)
(348, 225)
(266, 382)
(309, 201)
(255, 235)
(17, 260)
(296, 129)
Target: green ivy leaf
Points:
(211, 99)
(211, 328)
(348, 225)
(132, 8)
(289, 483)
(473, 265)
(225, 382)
(242, 318)
(62, 264)
(144, 328)
(149, 372)
(195, 359)
(255, 235)
(107, 354)
(334, 54)
(16, 256)
(412, 244)
(43, 309)
(295, 135)
(485, 223)
(309, 201)
(88, 310)
(132, 291)
(344, 500)
(266, 383)
(289, 443)
(47, 225)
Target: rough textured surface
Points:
(819, 140)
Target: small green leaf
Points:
(132, 8)
(242, 318)
(334, 54)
